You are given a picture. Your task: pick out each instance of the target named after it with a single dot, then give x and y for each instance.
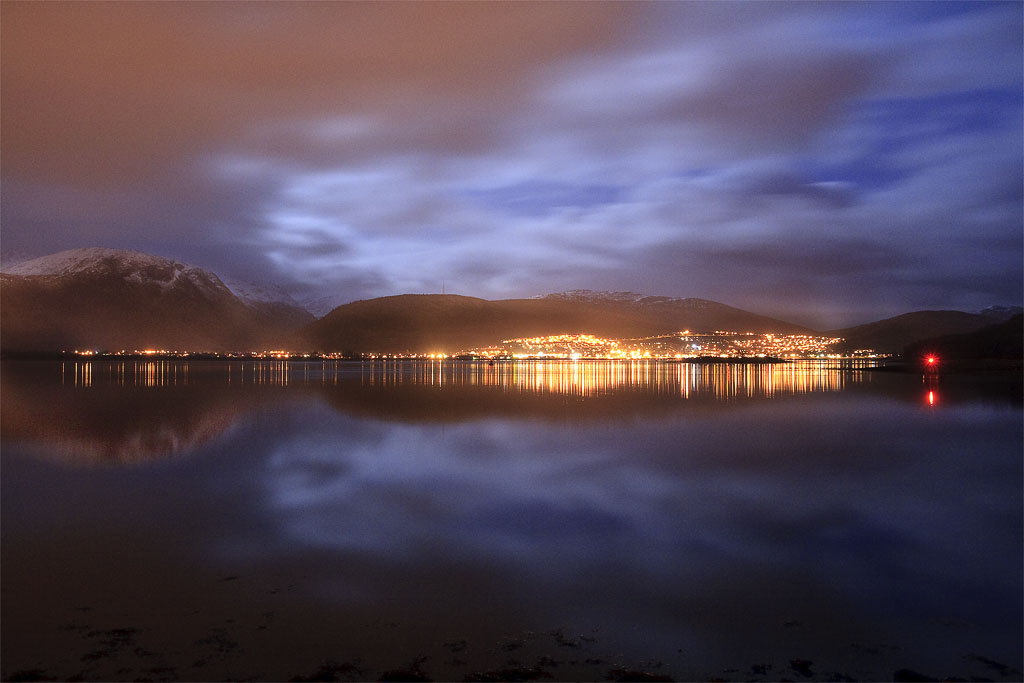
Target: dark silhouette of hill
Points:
(1003, 340)
(449, 323)
(892, 334)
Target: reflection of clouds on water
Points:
(861, 492)
(491, 487)
(713, 526)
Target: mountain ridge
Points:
(891, 335)
(448, 322)
(96, 297)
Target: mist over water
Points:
(206, 520)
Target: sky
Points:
(826, 163)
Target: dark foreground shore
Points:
(234, 651)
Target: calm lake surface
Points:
(271, 521)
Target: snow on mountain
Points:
(322, 305)
(591, 295)
(79, 260)
(140, 267)
(114, 299)
(10, 258)
(259, 293)
(133, 266)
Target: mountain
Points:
(115, 299)
(1002, 340)
(428, 323)
(320, 306)
(892, 334)
(274, 307)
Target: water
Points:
(270, 521)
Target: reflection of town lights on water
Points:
(931, 398)
(593, 377)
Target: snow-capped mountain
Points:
(96, 258)
(154, 273)
(118, 299)
(320, 306)
(271, 302)
(259, 292)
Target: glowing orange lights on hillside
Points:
(680, 345)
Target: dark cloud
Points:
(817, 161)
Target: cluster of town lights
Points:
(678, 346)
(278, 354)
(717, 344)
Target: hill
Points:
(449, 323)
(114, 299)
(892, 334)
(1003, 340)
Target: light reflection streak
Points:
(82, 375)
(722, 381)
(134, 374)
(263, 373)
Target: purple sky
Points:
(826, 163)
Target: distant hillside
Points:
(1001, 313)
(112, 299)
(448, 323)
(892, 334)
(1002, 340)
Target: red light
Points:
(931, 360)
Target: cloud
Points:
(123, 91)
